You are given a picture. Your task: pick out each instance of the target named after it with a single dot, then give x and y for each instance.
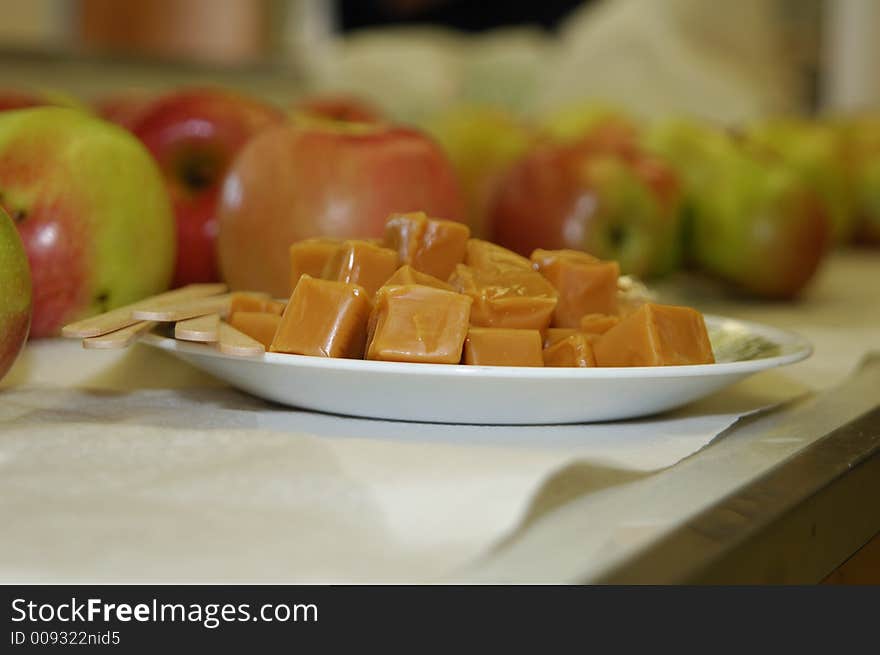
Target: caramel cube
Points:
(324, 318)
(429, 245)
(363, 263)
(656, 335)
(487, 256)
(585, 284)
(598, 323)
(574, 350)
(554, 335)
(257, 325)
(244, 301)
(406, 274)
(416, 323)
(516, 298)
(503, 347)
(310, 257)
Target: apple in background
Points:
(91, 209)
(613, 203)
(296, 181)
(817, 151)
(125, 109)
(14, 99)
(338, 107)
(15, 294)
(861, 136)
(482, 143)
(754, 219)
(605, 126)
(194, 135)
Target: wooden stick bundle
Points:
(196, 310)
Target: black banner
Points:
(415, 618)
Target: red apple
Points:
(91, 209)
(297, 181)
(606, 198)
(15, 294)
(339, 107)
(194, 135)
(14, 99)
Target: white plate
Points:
(496, 394)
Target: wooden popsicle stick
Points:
(119, 338)
(183, 310)
(121, 317)
(233, 342)
(201, 328)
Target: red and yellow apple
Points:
(613, 202)
(91, 209)
(338, 107)
(194, 135)
(296, 181)
(15, 294)
(754, 219)
(818, 152)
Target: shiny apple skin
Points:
(194, 136)
(293, 182)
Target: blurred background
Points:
(729, 61)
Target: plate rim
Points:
(801, 349)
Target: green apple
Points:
(862, 138)
(92, 211)
(752, 218)
(817, 150)
(615, 204)
(604, 124)
(15, 294)
(482, 143)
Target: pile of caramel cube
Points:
(428, 293)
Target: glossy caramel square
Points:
(310, 257)
(575, 350)
(517, 298)
(363, 263)
(656, 335)
(245, 301)
(503, 347)
(586, 285)
(598, 323)
(417, 323)
(324, 318)
(488, 256)
(429, 245)
(406, 274)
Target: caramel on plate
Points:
(361, 262)
(310, 257)
(503, 347)
(656, 335)
(416, 323)
(406, 274)
(244, 301)
(509, 298)
(429, 245)
(324, 318)
(261, 326)
(586, 285)
(573, 350)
